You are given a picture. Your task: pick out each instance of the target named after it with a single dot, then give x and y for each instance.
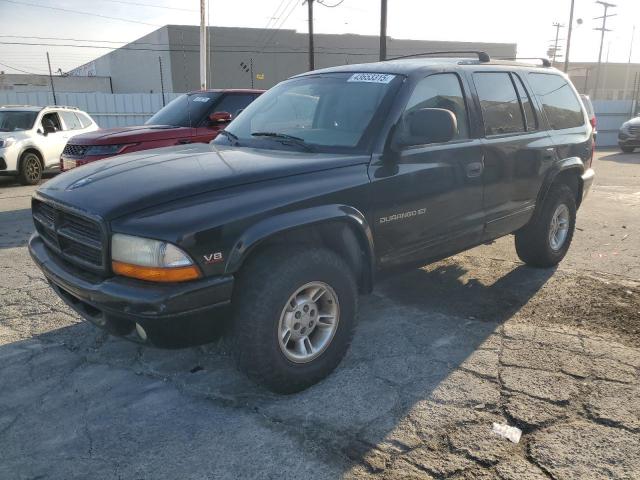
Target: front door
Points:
(52, 144)
(428, 202)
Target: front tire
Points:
(30, 172)
(545, 240)
(295, 315)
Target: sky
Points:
(527, 23)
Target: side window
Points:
(558, 100)
(51, 120)
(442, 90)
(499, 102)
(70, 120)
(84, 120)
(233, 103)
(527, 106)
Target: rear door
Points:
(429, 202)
(232, 103)
(516, 150)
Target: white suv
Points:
(32, 138)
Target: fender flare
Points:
(566, 164)
(267, 227)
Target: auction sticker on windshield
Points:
(201, 99)
(371, 77)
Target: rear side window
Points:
(70, 120)
(558, 100)
(499, 102)
(527, 106)
(441, 90)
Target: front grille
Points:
(75, 238)
(634, 130)
(74, 150)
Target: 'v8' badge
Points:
(213, 258)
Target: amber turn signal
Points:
(156, 274)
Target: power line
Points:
(19, 69)
(151, 6)
(282, 22)
(80, 12)
(340, 2)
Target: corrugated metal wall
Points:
(611, 114)
(122, 109)
(108, 110)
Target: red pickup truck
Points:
(194, 117)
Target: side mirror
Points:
(429, 125)
(219, 117)
(49, 129)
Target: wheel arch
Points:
(30, 149)
(341, 228)
(569, 172)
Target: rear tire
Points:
(274, 312)
(545, 240)
(627, 149)
(30, 172)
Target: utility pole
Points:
(602, 29)
(161, 80)
(555, 43)
(311, 48)
(569, 30)
(53, 90)
(383, 30)
(626, 76)
(203, 45)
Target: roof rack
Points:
(15, 106)
(482, 56)
(545, 61)
(61, 106)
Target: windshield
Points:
(187, 110)
(326, 112)
(10, 121)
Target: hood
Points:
(120, 135)
(633, 121)
(126, 183)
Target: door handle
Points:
(184, 141)
(474, 169)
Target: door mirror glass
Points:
(429, 125)
(219, 117)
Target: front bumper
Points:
(626, 140)
(172, 315)
(587, 181)
(68, 163)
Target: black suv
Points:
(321, 184)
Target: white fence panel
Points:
(611, 114)
(107, 109)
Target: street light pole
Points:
(569, 30)
(602, 29)
(555, 43)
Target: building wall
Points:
(275, 56)
(135, 68)
(616, 79)
(20, 83)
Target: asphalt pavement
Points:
(440, 354)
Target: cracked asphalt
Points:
(440, 354)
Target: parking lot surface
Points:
(440, 354)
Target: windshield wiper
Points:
(230, 136)
(301, 142)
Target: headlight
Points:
(104, 149)
(7, 142)
(151, 260)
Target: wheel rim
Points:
(308, 322)
(32, 168)
(559, 227)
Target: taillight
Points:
(593, 122)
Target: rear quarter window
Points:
(558, 99)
